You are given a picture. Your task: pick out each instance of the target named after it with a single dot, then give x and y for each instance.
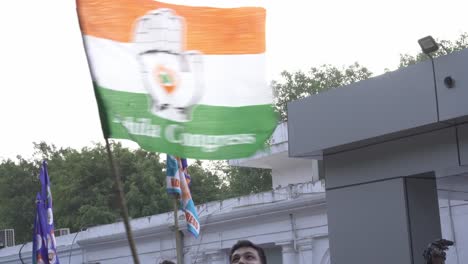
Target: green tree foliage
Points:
(83, 188)
(446, 47)
(243, 180)
(18, 188)
(205, 185)
(146, 186)
(300, 84)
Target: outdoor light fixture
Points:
(428, 45)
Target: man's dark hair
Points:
(167, 262)
(247, 243)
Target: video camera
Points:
(435, 251)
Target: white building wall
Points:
(285, 170)
(295, 171)
(283, 221)
(290, 223)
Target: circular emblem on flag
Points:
(166, 78)
(52, 256)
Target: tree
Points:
(242, 180)
(298, 85)
(86, 187)
(205, 186)
(18, 188)
(446, 47)
(83, 187)
(146, 185)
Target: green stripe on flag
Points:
(215, 132)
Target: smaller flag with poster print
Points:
(172, 175)
(178, 180)
(188, 206)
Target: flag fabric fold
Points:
(40, 251)
(178, 168)
(186, 79)
(172, 175)
(44, 243)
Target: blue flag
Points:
(177, 172)
(44, 243)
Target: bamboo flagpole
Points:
(173, 190)
(122, 203)
(178, 237)
(112, 165)
(176, 200)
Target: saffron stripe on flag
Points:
(209, 30)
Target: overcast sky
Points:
(45, 87)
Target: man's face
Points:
(245, 255)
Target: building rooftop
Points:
(304, 193)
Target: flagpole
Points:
(178, 238)
(179, 248)
(113, 167)
(122, 203)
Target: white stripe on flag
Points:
(230, 80)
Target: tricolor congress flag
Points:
(181, 79)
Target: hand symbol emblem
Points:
(172, 76)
